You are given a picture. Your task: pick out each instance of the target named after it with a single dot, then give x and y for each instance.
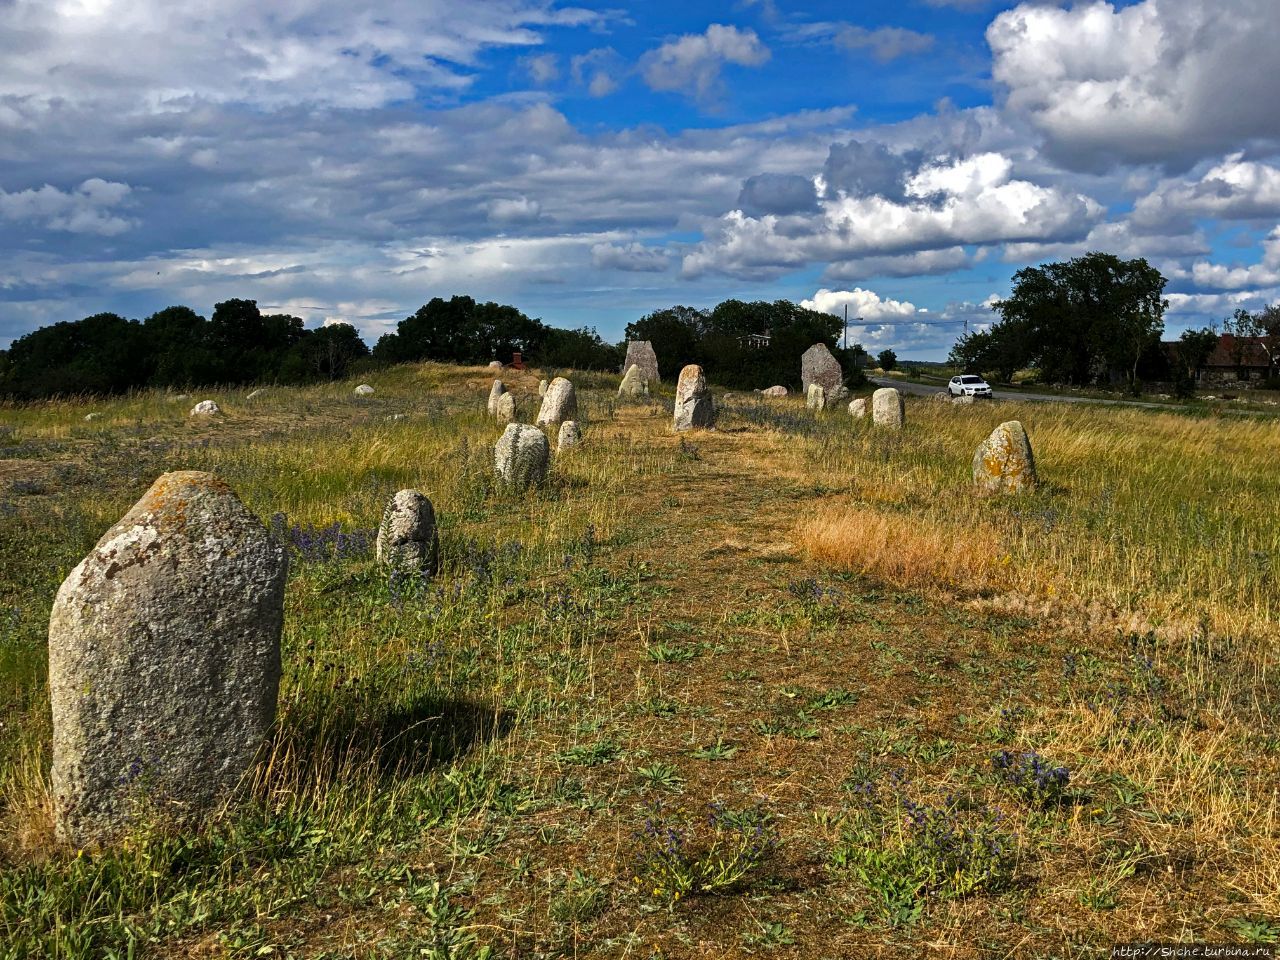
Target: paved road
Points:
(925, 390)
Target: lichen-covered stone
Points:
(815, 397)
(633, 383)
(407, 537)
(942, 396)
(694, 406)
(205, 408)
(570, 435)
(504, 411)
(887, 408)
(817, 365)
(164, 659)
(640, 354)
(964, 401)
(558, 405)
(858, 408)
(364, 390)
(1004, 463)
(775, 391)
(522, 455)
(497, 390)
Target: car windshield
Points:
(970, 379)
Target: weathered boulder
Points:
(633, 383)
(521, 456)
(836, 395)
(364, 390)
(495, 364)
(559, 404)
(966, 400)
(497, 390)
(887, 408)
(570, 435)
(776, 391)
(858, 408)
(504, 411)
(640, 354)
(205, 408)
(817, 365)
(164, 659)
(694, 406)
(815, 397)
(407, 537)
(941, 397)
(90, 417)
(1003, 462)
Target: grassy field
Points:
(783, 689)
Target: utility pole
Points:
(846, 326)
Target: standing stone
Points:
(887, 409)
(694, 406)
(559, 404)
(815, 397)
(570, 435)
(407, 536)
(364, 390)
(521, 456)
(542, 388)
(505, 409)
(495, 364)
(633, 384)
(1003, 462)
(497, 390)
(941, 397)
(164, 659)
(858, 408)
(205, 408)
(776, 391)
(817, 365)
(640, 354)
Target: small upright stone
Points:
(559, 404)
(858, 408)
(633, 384)
(775, 391)
(364, 390)
(497, 390)
(504, 410)
(570, 435)
(887, 409)
(694, 406)
(205, 408)
(815, 397)
(640, 354)
(521, 456)
(542, 388)
(941, 397)
(817, 365)
(1003, 462)
(164, 659)
(495, 364)
(407, 536)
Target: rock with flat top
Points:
(504, 410)
(815, 397)
(497, 390)
(570, 435)
(164, 660)
(887, 409)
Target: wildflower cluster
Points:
(675, 862)
(1031, 777)
(323, 543)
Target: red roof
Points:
(1251, 352)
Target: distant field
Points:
(783, 689)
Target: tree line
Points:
(739, 344)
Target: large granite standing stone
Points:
(407, 537)
(497, 390)
(887, 409)
(504, 411)
(817, 365)
(570, 435)
(521, 455)
(640, 354)
(633, 384)
(559, 404)
(776, 391)
(815, 397)
(1003, 462)
(858, 408)
(694, 406)
(164, 659)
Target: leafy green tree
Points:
(1263, 327)
(676, 334)
(888, 360)
(104, 353)
(181, 351)
(326, 353)
(459, 330)
(581, 349)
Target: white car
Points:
(969, 385)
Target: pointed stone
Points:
(694, 406)
(817, 365)
(559, 404)
(858, 408)
(640, 354)
(633, 384)
(1004, 463)
(497, 390)
(505, 409)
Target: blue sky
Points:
(592, 162)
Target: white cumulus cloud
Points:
(85, 209)
(691, 64)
